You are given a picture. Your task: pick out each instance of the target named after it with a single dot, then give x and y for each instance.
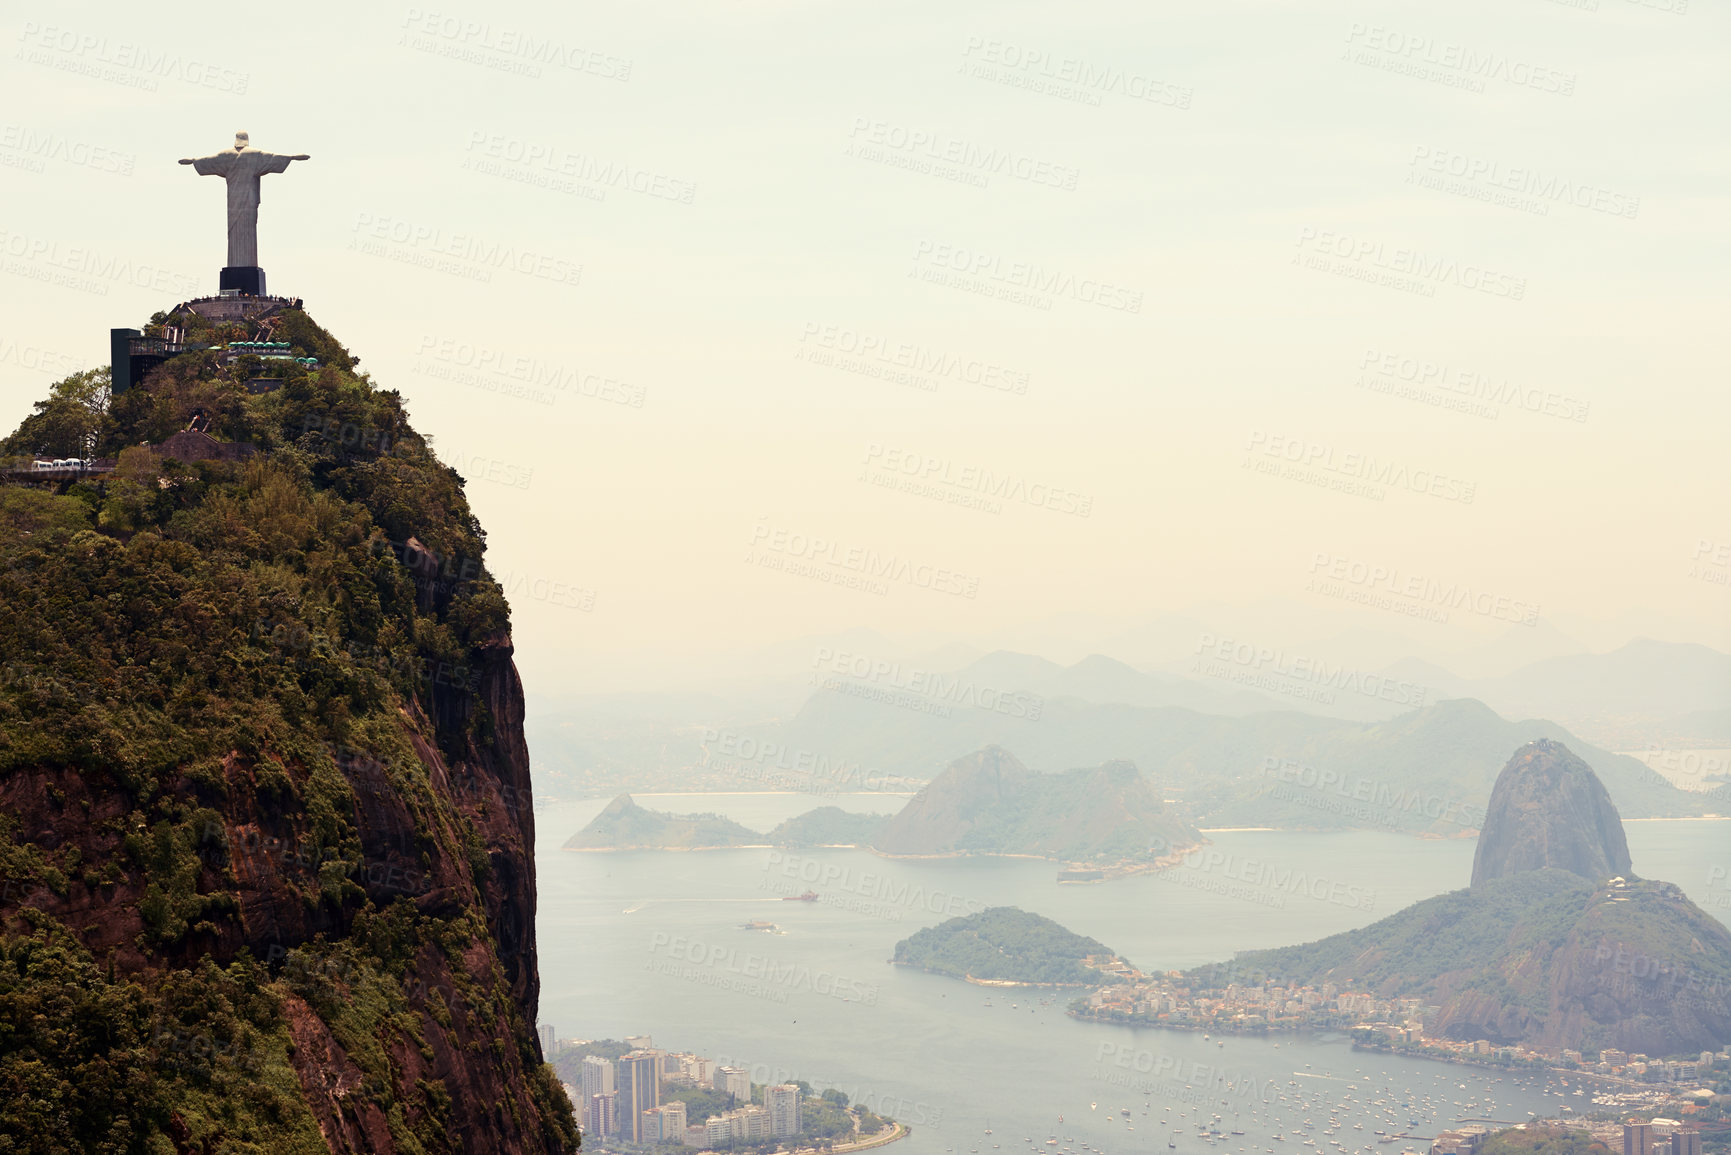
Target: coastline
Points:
(1426, 1054)
(1109, 870)
(995, 982)
(670, 849)
(900, 1130)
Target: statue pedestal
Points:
(249, 279)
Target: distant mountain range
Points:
(1641, 694)
(624, 825)
(1230, 756)
(1429, 771)
(1547, 946)
(986, 803)
(989, 803)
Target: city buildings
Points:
(647, 1097)
(735, 1081)
(601, 1115)
(750, 1124)
(1171, 999)
(718, 1131)
(782, 1102)
(664, 1124)
(597, 1082)
(639, 1079)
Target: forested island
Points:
(1009, 946)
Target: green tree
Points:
(69, 422)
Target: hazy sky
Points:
(1219, 298)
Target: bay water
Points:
(655, 942)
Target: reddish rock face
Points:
(413, 847)
(260, 711)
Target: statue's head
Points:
(240, 140)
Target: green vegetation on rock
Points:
(624, 825)
(989, 803)
(1540, 957)
(264, 709)
(827, 826)
(1541, 1140)
(1004, 944)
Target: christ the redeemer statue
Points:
(242, 168)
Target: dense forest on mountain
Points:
(265, 852)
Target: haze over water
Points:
(929, 1050)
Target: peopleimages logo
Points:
(1014, 277)
(1464, 66)
(729, 966)
(1545, 188)
(1469, 384)
(946, 689)
(1171, 1073)
(829, 560)
(1423, 268)
(1358, 467)
(479, 254)
(1268, 879)
(39, 146)
(558, 161)
(888, 142)
(1069, 77)
(1372, 794)
(738, 750)
(876, 355)
(974, 481)
(1317, 672)
(519, 49)
(1420, 589)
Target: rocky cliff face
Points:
(1549, 810)
(263, 784)
(989, 803)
